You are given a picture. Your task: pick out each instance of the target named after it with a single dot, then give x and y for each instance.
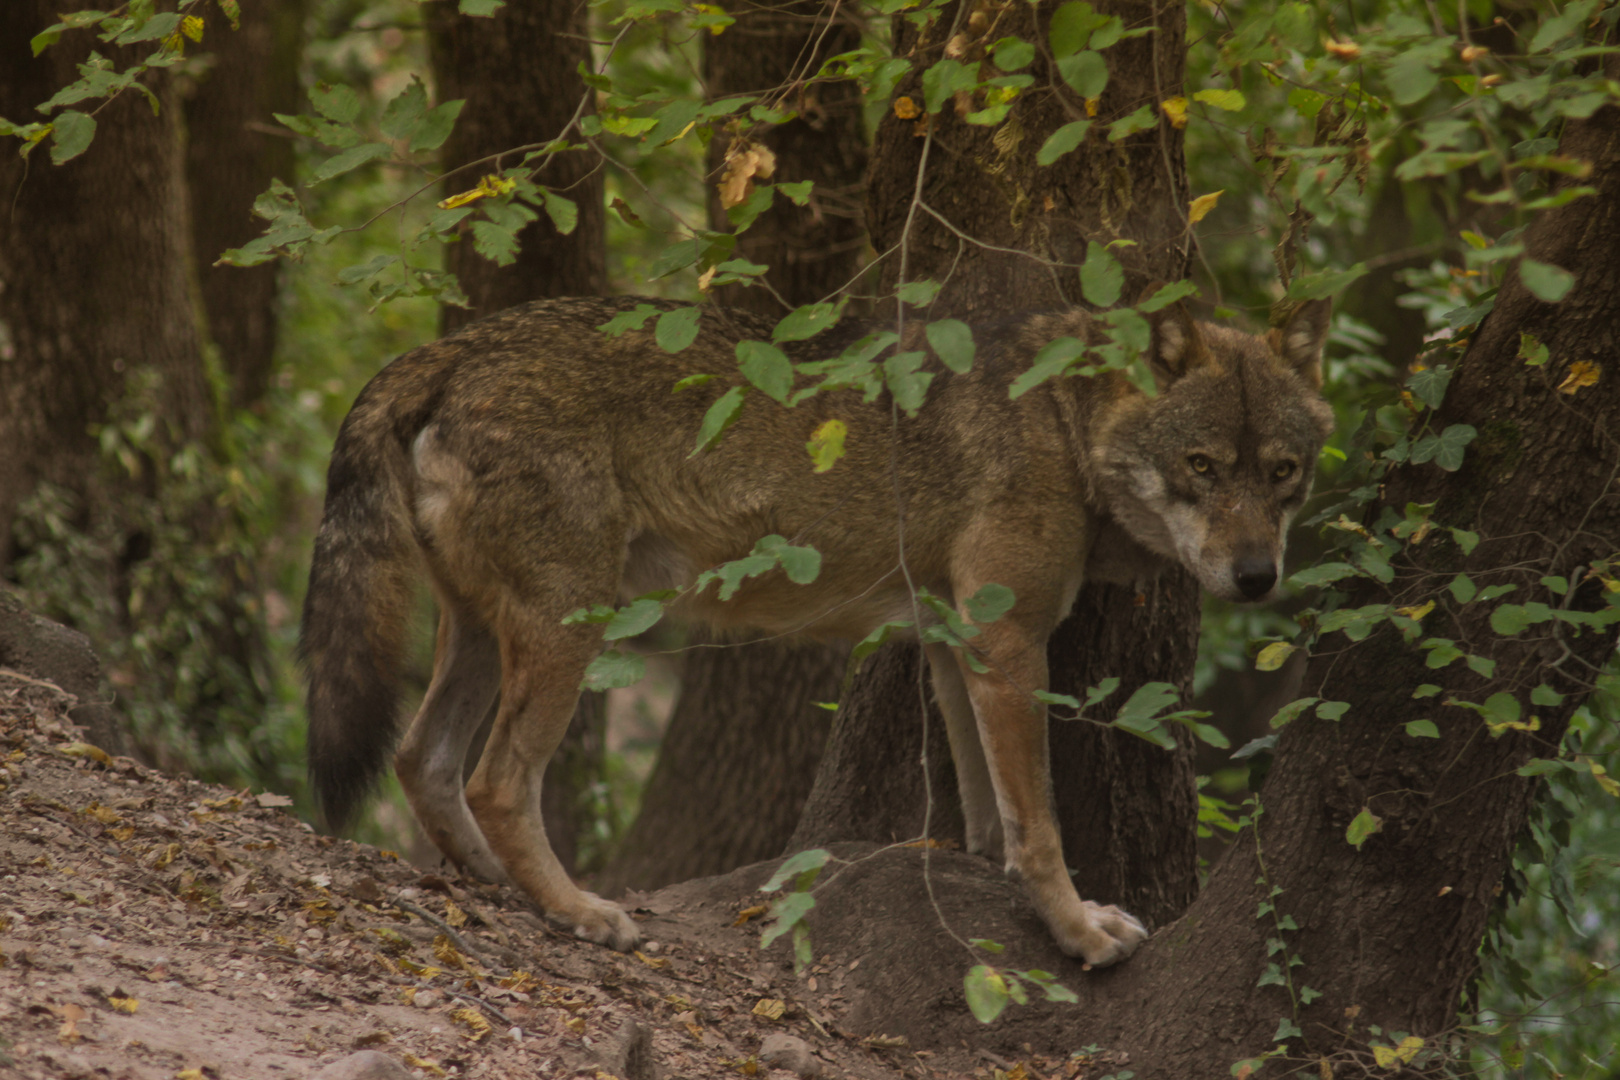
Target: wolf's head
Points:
(1212, 470)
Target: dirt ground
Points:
(155, 927)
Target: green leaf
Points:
(1101, 277)
(952, 341)
(1013, 53)
(1086, 72)
(1546, 697)
(1422, 729)
(340, 104)
(1287, 1029)
(796, 866)
(767, 367)
(1290, 712)
(874, 641)
(481, 9)
(1545, 281)
(721, 415)
(677, 256)
(1054, 358)
(1062, 141)
(918, 293)
(788, 912)
(153, 29)
(349, 159)
(624, 321)
(1425, 690)
(1167, 295)
(640, 615)
(1429, 385)
(1362, 826)
(1071, 28)
(436, 126)
(1445, 449)
(802, 564)
(1138, 714)
(1325, 283)
(1323, 574)
(986, 993)
(1463, 588)
(1511, 619)
(677, 329)
(944, 80)
(747, 212)
(1332, 710)
(1228, 100)
(797, 192)
(1465, 540)
(806, 322)
(564, 213)
(1141, 120)
(71, 133)
(1561, 25)
(1274, 655)
(614, 669)
(990, 603)
(495, 242)
(905, 380)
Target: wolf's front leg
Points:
(1012, 731)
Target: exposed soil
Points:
(152, 927)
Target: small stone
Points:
(427, 999)
(624, 1047)
(364, 1065)
(781, 1051)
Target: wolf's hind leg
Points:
(973, 783)
(432, 756)
(543, 663)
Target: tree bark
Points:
(231, 157)
(744, 728)
(1129, 825)
(518, 72)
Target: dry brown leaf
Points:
(744, 161)
(906, 109)
(454, 915)
(770, 1008)
(268, 799)
(474, 1021)
(101, 813)
(425, 1064)
(651, 961)
(1344, 50)
(69, 1031)
(750, 913)
(576, 1024)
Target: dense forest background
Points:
(168, 415)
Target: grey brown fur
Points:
(531, 465)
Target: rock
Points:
(787, 1052)
(50, 651)
(623, 1047)
(426, 998)
(364, 1065)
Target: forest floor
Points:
(152, 926)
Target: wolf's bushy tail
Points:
(356, 613)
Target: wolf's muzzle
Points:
(1255, 577)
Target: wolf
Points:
(531, 465)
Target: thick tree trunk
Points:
(744, 728)
(1112, 796)
(231, 157)
(518, 72)
(93, 279)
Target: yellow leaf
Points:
(190, 1074)
(521, 981)
(1415, 613)
(906, 109)
(192, 27)
(826, 444)
(454, 915)
(85, 750)
(650, 961)
(425, 1064)
(1582, 373)
(576, 1024)
(1176, 109)
(1385, 1056)
(1201, 206)
(448, 955)
(487, 187)
(474, 1021)
(101, 813)
(1605, 781)
(750, 913)
(123, 1004)
(1344, 50)
(1408, 1049)
(770, 1008)
(1091, 106)
(1274, 655)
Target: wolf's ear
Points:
(1299, 342)
(1177, 344)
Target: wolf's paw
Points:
(606, 923)
(1109, 936)
(985, 838)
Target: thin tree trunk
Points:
(231, 157)
(1127, 812)
(518, 72)
(744, 729)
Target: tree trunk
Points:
(518, 72)
(744, 728)
(985, 182)
(93, 258)
(231, 157)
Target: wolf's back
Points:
(361, 577)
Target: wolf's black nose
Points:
(1255, 577)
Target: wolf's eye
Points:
(1200, 464)
(1283, 471)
